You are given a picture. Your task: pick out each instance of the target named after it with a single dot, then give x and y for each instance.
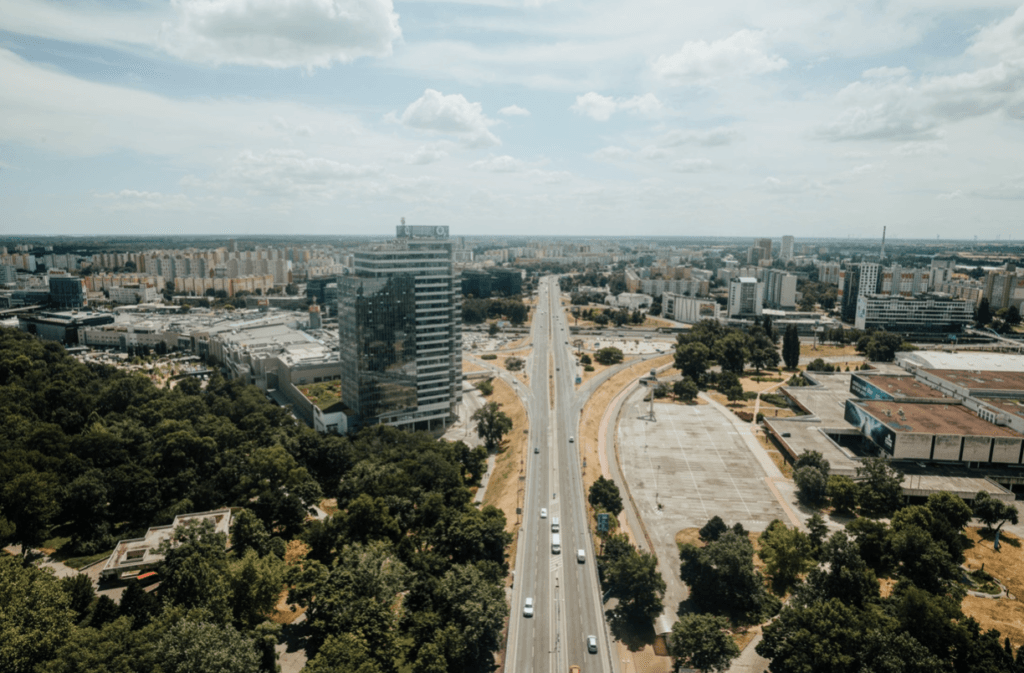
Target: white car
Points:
(543, 513)
(581, 556)
(571, 440)
(591, 644)
(528, 609)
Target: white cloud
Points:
(692, 165)
(920, 149)
(281, 33)
(502, 164)
(885, 72)
(698, 62)
(453, 114)
(601, 108)
(129, 199)
(514, 111)
(1003, 40)
(711, 138)
(424, 155)
(291, 172)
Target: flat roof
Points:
(144, 550)
(982, 380)
(1003, 362)
(903, 386)
(1015, 407)
(933, 419)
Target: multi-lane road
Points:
(567, 606)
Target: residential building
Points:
(828, 272)
(400, 332)
(746, 297)
(924, 313)
(689, 310)
(1004, 288)
(786, 253)
(907, 282)
(779, 289)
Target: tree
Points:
(199, 647)
(983, 313)
(685, 389)
(608, 356)
(950, 516)
(823, 637)
(493, 329)
(195, 569)
(585, 359)
(639, 586)
(817, 532)
(842, 575)
(604, 493)
(701, 641)
(992, 511)
(36, 616)
(880, 489)
(256, 584)
(713, 529)
(514, 364)
(138, 605)
(248, 532)
(80, 593)
(811, 485)
(1012, 316)
(722, 578)
(920, 559)
(730, 386)
(692, 360)
(842, 493)
(786, 553)
(31, 501)
(492, 424)
(882, 346)
(731, 352)
(770, 331)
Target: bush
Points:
(588, 368)
(608, 356)
(685, 389)
(485, 387)
(585, 359)
(514, 364)
(488, 356)
(819, 365)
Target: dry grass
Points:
(886, 586)
(750, 385)
(329, 505)
(295, 551)
(829, 351)
(598, 368)
(1006, 565)
(285, 612)
(745, 636)
(503, 487)
(775, 453)
(519, 343)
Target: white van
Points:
(554, 524)
(556, 543)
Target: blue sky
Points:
(651, 117)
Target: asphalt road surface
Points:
(565, 592)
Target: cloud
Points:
(453, 114)
(1002, 40)
(885, 72)
(514, 111)
(1011, 189)
(698, 62)
(711, 138)
(425, 155)
(601, 108)
(129, 199)
(692, 166)
(502, 164)
(281, 33)
(290, 172)
(611, 153)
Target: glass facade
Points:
(377, 348)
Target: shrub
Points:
(488, 356)
(485, 387)
(588, 368)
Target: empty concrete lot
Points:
(694, 462)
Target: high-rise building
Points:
(786, 253)
(856, 281)
(399, 323)
(779, 289)
(1004, 288)
(746, 297)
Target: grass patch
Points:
(79, 562)
(323, 395)
(981, 581)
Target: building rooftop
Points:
(903, 386)
(933, 419)
(975, 380)
(131, 555)
(1002, 362)
(1015, 407)
(326, 395)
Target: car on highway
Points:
(581, 556)
(574, 669)
(543, 513)
(571, 440)
(592, 644)
(536, 449)
(528, 607)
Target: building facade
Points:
(855, 281)
(400, 332)
(924, 314)
(746, 297)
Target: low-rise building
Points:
(690, 310)
(135, 556)
(926, 313)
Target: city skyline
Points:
(251, 117)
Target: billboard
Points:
(870, 427)
(867, 391)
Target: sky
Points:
(525, 117)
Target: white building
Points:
(137, 293)
(629, 301)
(786, 253)
(689, 310)
(746, 297)
(923, 313)
(779, 289)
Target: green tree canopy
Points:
(492, 424)
(701, 641)
(605, 494)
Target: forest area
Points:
(406, 575)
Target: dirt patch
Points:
(503, 488)
(758, 383)
(329, 505)
(829, 351)
(519, 343)
(745, 636)
(775, 453)
(285, 612)
(886, 586)
(1007, 566)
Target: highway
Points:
(566, 594)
